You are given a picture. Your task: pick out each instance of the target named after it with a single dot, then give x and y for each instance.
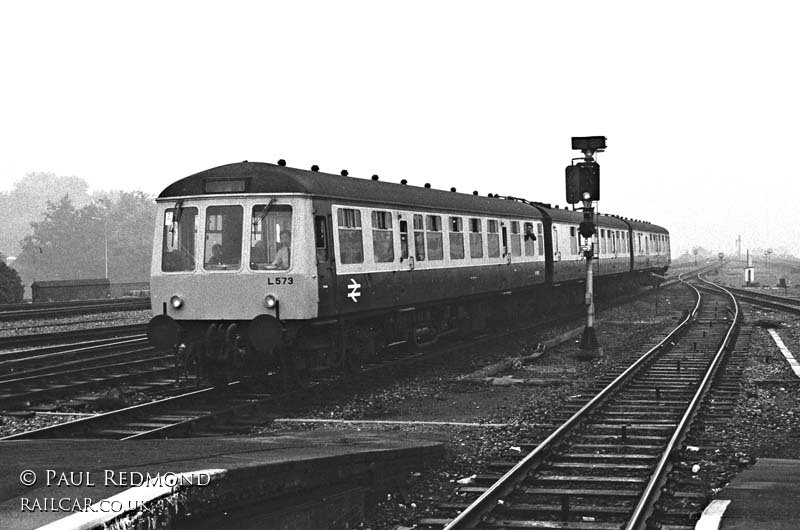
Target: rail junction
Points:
(606, 466)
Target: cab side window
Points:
(321, 238)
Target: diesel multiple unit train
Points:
(260, 267)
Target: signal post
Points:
(583, 185)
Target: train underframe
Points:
(221, 351)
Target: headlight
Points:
(270, 301)
(586, 195)
(176, 302)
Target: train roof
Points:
(644, 226)
(263, 178)
(564, 215)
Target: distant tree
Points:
(11, 289)
(69, 243)
(27, 200)
(130, 217)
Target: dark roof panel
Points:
(265, 178)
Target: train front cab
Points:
(238, 267)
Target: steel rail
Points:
(96, 307)
(644, 508)
(87, 424)
(52, 354)
(75, 335)
(473, 514)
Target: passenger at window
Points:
(529, 235)
(216, 255)
(282, 256)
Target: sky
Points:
(699, 101)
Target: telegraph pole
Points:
(583, 185)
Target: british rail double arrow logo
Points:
(355, 290)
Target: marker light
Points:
(270, 301)
(586, 195)
(176, 302)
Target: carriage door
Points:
(325, 268)
(404, 243)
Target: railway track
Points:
(781, 303)
(240, 408)
(104, 358)
(606, 465)
(71, 337)
(11, 312)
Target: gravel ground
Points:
(443, 397)
(69, 323)
(765, 418)
(763, 423)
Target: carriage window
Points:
(493, 238)
(382, 237)
(456, 238)
(475, 239)
(271, 237)
(351, 246)
(540, 238)
(223, 238)
(573, 240)
(529, 239)
(403, 240)
(603, 248)
(516, 248)
(419, 238)
(177, 248)
(555, 241)
(434, 237)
